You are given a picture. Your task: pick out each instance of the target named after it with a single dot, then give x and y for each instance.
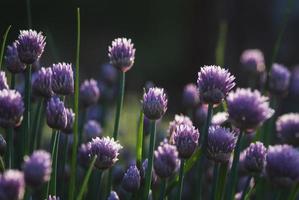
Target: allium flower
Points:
(106, 150)
(185, 139)
(84, 155)
(53, 198)
(37, 168)
(70, 116)
(113, 196)
(3, 145)
(154, 103)
(143, 172)
(131, 179)
(287, 127)
(12, 60)
(92, 129)
(255, 158)
(214, 83)
(282, 165)
(294, 83)
(178, 120)
(279, 79)
(108, 74)
(56, 113)
(89, 92)
(42, 84)
(166, 160)
(3, 81)
(220, 119)
(30, 46)
(12, 185)
(253, 61)
(248, 109)
(12, 108)
(62, 79)
(201, 115)
(122, 54)
(190, 96)
(221, 143)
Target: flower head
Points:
(89, 92)
(30, 46)
(143, 172)
(12, 60)
(122, 54)
(42, 84)
(3, 81)
(37, 168)
(92, 129)
(255, 158)
(108, 74)
(178, 120)
(106, 150)
(214, 83)
(287, 127)
(11, 108)
(220, 119)
(131, 179)
(190, 96)
(70, 116)
(113, 196)
(248, 109)
(84, 155)
(221, 143)
(253, 61)
(154, 103)
(279, 79)
(62, 79)
(12, 185)
(56, 114)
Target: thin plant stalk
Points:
(3, 45)
(139, 145)
(181, 180)
(148, 176)
(54, 152)
(98, 185)
(36, 124)
(270, 124)
(221, 181)
(215, 181)
(10, 133)
(76, 110)
(63, 153)
(294, 192)
(163, 189)
(2, 165)
(245, 189)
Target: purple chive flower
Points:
(185, 138)
(30, 46)
(37, 168)
(113, 196)
(3, 145)
(221, 143)
(62, 79)
(84, 155)
(190, 96)
(154, 103)
(42, 84)
(3, 81)
(106, 150)
(108, 74)
(282, 165)
(12, 185)
(70, 116)
(255, 158)
(279, 79)
(178, 120)
(294, 83)
(220, 119)
(166, 160)
(122, 54)
(131, 179)
(248, 109)
(53, 198)
(92, 129)
(12, 108)
(12, 60)
(56, 114)
(214, 83)
(89, 92)
(143, 172)
(201, 114)
(253, 61)
(287, 127)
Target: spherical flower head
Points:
(221, 143)
(89, 92)
(214, 83)
(42, 84)
(219, 119)
(113, 196)
(287, 127)
(154, 103)
(282, 165)
(131, 179)
(106, 150)
(84, 155)
(62, 79)
(108, 74)
(12, 60)
(70, 116)
(279, 79)
(12, 108)
(92, 129)
(190, 96)
(122, 54)
(248, 109)
(30, 46)
(166, 160)
(3, 81)
(12, 185)
(294, 83)
(255, 157)
(253, 61)
(37, 168)
(185, 139)
(56, 114)
(178, 120)
(53, 198)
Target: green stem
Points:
(63, 152)
(27, 115)
(3, 45)
(148, 177)
(76, 110)
(215, 181)
(294, 192)
(2, 165)
(10, 132)
(221, 181)
(86, 179)
(245, 189)
(37, 120)
(98, 185)
(139, 140)
(163, 188)
(181, 180)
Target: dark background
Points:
(173, 38)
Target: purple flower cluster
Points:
(190, 96)
(178, 120)
(84, 155)
(12, 60)
(42, 84)
(89, 92)
(92, 129)
(287, 127)
(279, 79)
(3, 81)
(56, 114)
(12, 185)
(62, 79)
(113, 196)
(255, 158)
(131, 179)
(70, 118)
(253, 61)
